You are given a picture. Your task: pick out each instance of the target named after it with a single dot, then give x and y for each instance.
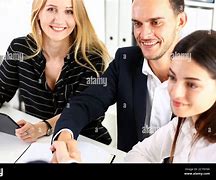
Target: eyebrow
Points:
(52, 5)
(151, 19)
(156, 18)
(187, 78)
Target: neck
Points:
(160, 67)
(194, 119)
(55, 50)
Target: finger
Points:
(52, 148)
(73, 150)
(72, 145)
(23, 129)
(60, 146)
(54, 159)
(29, 140)
(25, 137)
(21, 122)
(61, 151)
(20, 135)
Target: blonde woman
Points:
(52, 64)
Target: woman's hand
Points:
(28, 132)
(31, 132)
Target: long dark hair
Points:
(201, 45)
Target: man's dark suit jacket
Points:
(126, 85)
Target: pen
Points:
(113, 159)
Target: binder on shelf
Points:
(112, 25)
(97, 17)
(125, 25)
(198, 19)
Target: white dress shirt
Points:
(158, 112)
(157, 147)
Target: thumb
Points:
(54, 159)
(21, 122)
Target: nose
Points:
(176, 91)
(146, 31)
(58, 17)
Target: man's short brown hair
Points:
(177, 6)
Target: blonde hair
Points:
(83, 38)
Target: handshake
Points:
(65, 152)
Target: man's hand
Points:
(64, 136)
(65, 151)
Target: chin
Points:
(180, 113)
(58, 38)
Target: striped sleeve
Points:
(9, 78)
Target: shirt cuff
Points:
(57, 134)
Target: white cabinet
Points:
(112, 25)
(125, 25)
(15, 21)
(201, 16)
(118, 25)
(96, 13)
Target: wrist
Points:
(64, 135)
(48, 128)
(41, 129)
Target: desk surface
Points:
(13, 150)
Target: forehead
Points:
(145, 9)
(59, 2)
(186, 67)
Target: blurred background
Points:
(111, 19)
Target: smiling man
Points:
(136, 78)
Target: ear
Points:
(182, 20)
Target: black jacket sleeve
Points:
(91, 103)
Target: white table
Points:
(13, 150)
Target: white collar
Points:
(146, 68)
(188, 127)
(148, 72)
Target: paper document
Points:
(90, 153)
(11, 148)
